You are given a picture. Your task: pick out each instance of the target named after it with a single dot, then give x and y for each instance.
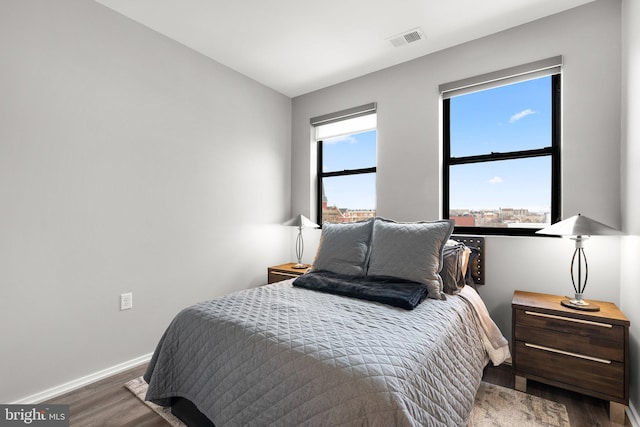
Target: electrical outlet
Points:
(126, 301)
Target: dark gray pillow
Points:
(452, 275)
(411, 251)
(344, 248)
(468, 278)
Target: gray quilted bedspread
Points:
(284, 356)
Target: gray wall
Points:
(127, 163)
(629, 287)
(409, 175)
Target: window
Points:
(501, 150)
(346, 142)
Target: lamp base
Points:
(300, 266)
(580, 305)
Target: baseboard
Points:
(632, 413)
(81, 382)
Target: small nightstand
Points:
(278, 273)
(586, 352)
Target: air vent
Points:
(407, 37)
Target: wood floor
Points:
(109, 403)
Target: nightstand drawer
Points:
(601, 377)
(279, 276)
(599, 339)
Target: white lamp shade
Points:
(302, 222)
(578, 225)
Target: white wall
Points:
(408, 181)
(127, 163)
(629, 287)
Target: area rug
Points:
(138, 387)
(497, 406)
(494, 406)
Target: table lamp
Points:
(301, 222)
(579, 227)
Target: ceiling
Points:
(298, 46)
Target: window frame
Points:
(553, 151)
(322, 174)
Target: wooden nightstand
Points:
(586, 352)
(278, 273)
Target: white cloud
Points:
(521, 115)
(496, 180)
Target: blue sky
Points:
(513, 117)
(350, 152)
(508, 118)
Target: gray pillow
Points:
(451, 273)
(411, 251)
(344, 248)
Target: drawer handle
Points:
(570, 319)
(568, 353)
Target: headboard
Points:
(477, 264)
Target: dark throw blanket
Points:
(387, 290)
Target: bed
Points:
(291, 354)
